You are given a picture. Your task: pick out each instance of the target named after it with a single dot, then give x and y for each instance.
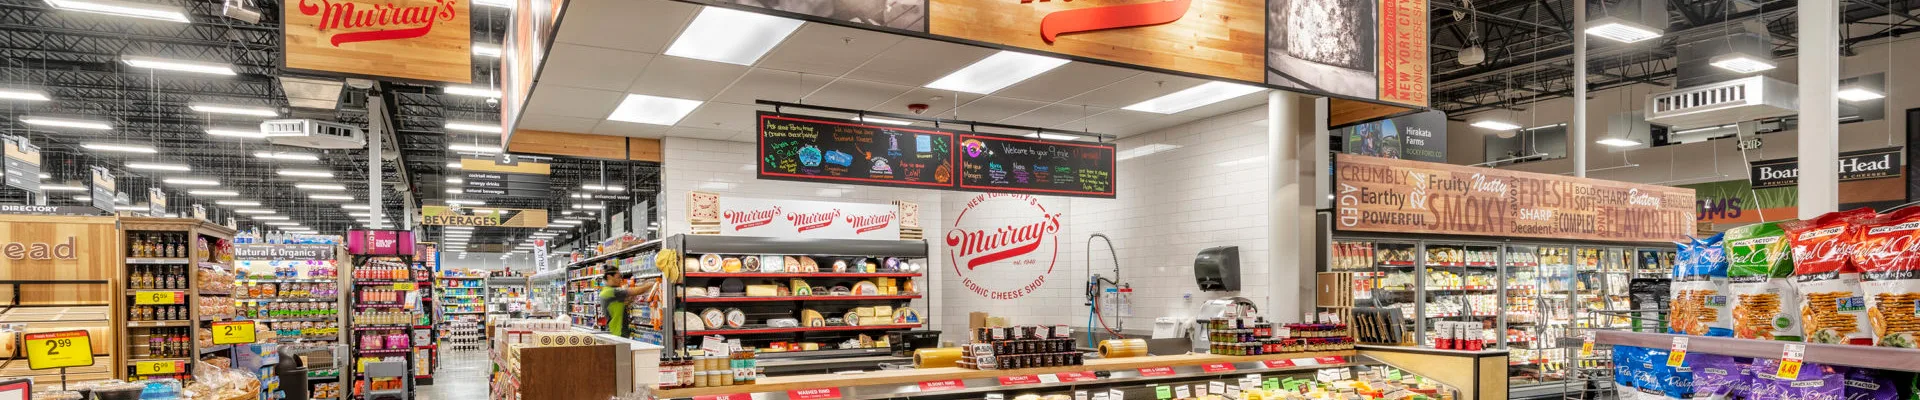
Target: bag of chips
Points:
(1700, 291)
(1890, 276)
(1816, 382)
(1868, 384)
(1717, 377)
(1832, 306)
(1650, 381)
(1626, 361)
(1759, 276)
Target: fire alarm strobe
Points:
(313, 134)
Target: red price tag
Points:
(935, 386)
(1331, 360)
(1019, 380)
(814, 394)
(1278, 363)
(1217, 367)
(1077, 376)
(735, 396)
(1156, 371)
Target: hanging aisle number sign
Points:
(147, 298)
(1790, 361)
(47, 350)
(238, 332)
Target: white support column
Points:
(1819, 45)
(1296, 143)
(1578, 124)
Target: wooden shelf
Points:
(735, 299)
(910, 376)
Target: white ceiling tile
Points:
(827, 49)
(1053, 114)
(643, 26)
(629, 129)
(855, 94)
(1067, 81)
(767, 84)
(701, 133)
(1231, 105)
(922, 95)
(686, 78)
(567, 101)
(992, 109)
(557, 123)
(1134, 90)
(593, 67)
(916, 62)
(724, 116)
(1121, 123)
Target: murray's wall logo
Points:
(349, 21)
(869, 223)
(806, 221)
(1110, 17)
(1010, 237)
(751, 218)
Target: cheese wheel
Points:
(710, 263)
(690, 321)
(731, 265)
(865, 288)
(808, 265)
(750, 264)
(906, 315)
(792, 264)
(852, 318)
(736, 318)
(839, 265)
(713, 318)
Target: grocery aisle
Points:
(462, 376)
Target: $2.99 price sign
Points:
(238, 332)
(47, 350)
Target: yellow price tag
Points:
(1586, 347)
(152, 298)
(1790, 361)
(47, 350)
(159, 367)
(405, 286)
(238, 332)
(1679, 354)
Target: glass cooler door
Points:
(1461, 297)
(1525, 317)
(1389, 282)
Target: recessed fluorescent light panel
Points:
(213, 193)
(237, 132)
(23, 95)
(1495, 125)
(177, 65)
(191, 182)
(306, 173)
(66, 123)
(329, 197)
(474, 91)
(655, 110)
(319, 186)
(123, 148)
(1618, 142)
(254, 211)
(996, 72)
(473, 127)
(466, 202)
(731, 36)
(603, 188)
(286, 156)
(885, 121)
(238, 203)
(159, 167)
(1194, 97)
(1858, 94)
(355, 207)
(1741, 63)
(1620, 30)
(234, 110)
(124, 9)
(62, 188)
(468, 148)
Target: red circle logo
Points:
(1010, 238)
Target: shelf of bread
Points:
(915, 376)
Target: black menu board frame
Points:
(994, 141)
(767, 168)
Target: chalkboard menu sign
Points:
(992, 163)
(822, 149)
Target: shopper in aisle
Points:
(613, 299)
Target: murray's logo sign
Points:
(351, 21)
(1010, 239)
(1110, 17)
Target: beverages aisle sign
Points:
(1854, 165)
(1386, 195)
(481, 216)
(422, 40)
(808, 219)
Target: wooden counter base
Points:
(884, 377)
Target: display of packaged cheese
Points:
(1890, 276)
(1700, 291)
(1832, 306)
(1759, 277)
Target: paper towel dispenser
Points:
(1218, 269)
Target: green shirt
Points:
(614, 300)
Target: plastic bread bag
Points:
(1888, 254)
(1832, 306)
(1759, 278)
(1700, 305)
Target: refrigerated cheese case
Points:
(1533, 299)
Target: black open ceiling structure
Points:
(76, 58)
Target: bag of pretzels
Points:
(1765, 306)
(1832, 307)
(1890, 275)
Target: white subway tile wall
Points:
(1181, 190)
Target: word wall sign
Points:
(1387, 195)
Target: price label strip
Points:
(148, 298)
(1679, 354)
(237, 332)
(159, 367)
(1790, 360)
(48, 350)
